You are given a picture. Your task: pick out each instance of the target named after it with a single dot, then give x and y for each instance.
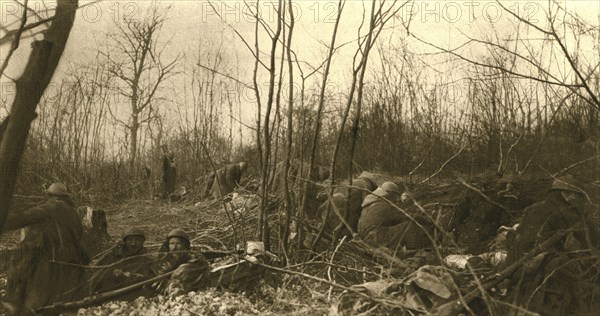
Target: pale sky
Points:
(194, 24)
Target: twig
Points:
(15, 43)
(487, 198)
(382, 301)
(574, 165)
(410, 174)
(331, 265)
(224, 75)
(331, 261)
(444, 164)
(510, 149)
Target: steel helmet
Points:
(369, 176)
(133, 231)
(391, 187)
(366, 174)
(567, 183)
(178, 232)
(368, 180)
(57, 189)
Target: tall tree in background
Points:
(136, 60)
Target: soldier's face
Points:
(133, 244)
(176, 244)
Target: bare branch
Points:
(445, 163)
(15, 43)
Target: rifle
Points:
(61, 307)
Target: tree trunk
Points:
(40, 67)
(135, 126)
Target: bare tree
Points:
(528, 58)
(136, 60)
(379, 16)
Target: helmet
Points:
(57, 189)
(391, 187)
(367, 175)
(178, 232)
(133, 231)
(567, 183)
(369, 180)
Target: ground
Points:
(330, 280)
(208, 225)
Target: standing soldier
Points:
(44, 270)
(169, 173)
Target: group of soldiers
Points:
(373, 214)
(561, 234)
(49, 265)
(52, 264)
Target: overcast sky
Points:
(192, 24)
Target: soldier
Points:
(126, 263)
(132, 244)
(561, 209)
(169, 173)
(556, 280)
(351, 197)
(175, 250)
(44, 272)
(297, 178)
(227, 179)
(176, 253)
(382, 224)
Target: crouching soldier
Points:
(227, 179)
(555, 281)
(175, 252)
(352, 198)
(124, 264)
(189, 276)
(131, 245)
(382, 224)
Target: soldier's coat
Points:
(53, 237)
